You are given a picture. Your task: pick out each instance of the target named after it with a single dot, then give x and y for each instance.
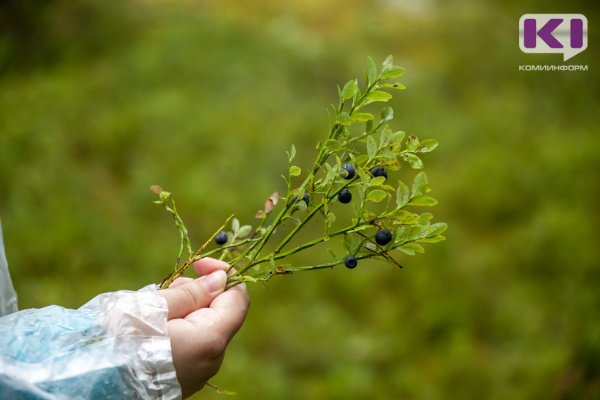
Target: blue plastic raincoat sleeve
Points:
(114, 347)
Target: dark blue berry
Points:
(306, 199)
(350, 169)
(344, 196)
(221, 238)
(383, 237)
(379, 171)
(350, 262)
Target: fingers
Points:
(209, 265)
(180, 281)
(188, 297)
(227, 312)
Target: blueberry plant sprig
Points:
(354, 168)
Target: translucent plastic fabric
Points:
(114, 347)
(8, 297)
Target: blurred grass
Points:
(204, 98)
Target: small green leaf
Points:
(376, 195)
(361, 117)
(387, 113)
(378, 95)
(427, 145)
(344, 118)
(348, 90)
(301, 206)
(295, 170)
(424, 218)
(371, 147)
(411, 248)
(333, 145)
(388, 62)
(405, 217)
(396, 138)
(426, 201)
(244, 231)
(292, 153)
(371, 71)
(433, 239)
(377, 181)
(396, 85)
(235, 225)
(402, 195)
(419, 185)
(392, 72)
(437, 228)
(413, 160)
(412, 143)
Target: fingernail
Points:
(215, 281)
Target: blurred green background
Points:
(98, 102)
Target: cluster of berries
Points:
(382, 237)
(344, 196)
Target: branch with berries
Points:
(355, 167)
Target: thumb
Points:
(194, 295)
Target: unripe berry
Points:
(221, 238)
(379, 171)
(383, 237)
(350, 262)
(344, 196)
(350, 169)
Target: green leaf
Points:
(235, 226)
(378, 95)
(377, 181)
(426, 201)
(387, 63)
(292, 153)
(376, 195)
(413, 160)
(433, 239)
(411, 248)
(361, 117)
(295, 170)
(371, 71)
(348, 90)
(387, 113)
(301, 206)
(244, 231)
(392, 72)
(412, 143)
(405, 217)
(437, 228)
(344, 118)
(402, 195)
(396, 138)
(419, 186)
(396, 85)
(424, 218)
(427, 145)
(333, 145)
(371, 147)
